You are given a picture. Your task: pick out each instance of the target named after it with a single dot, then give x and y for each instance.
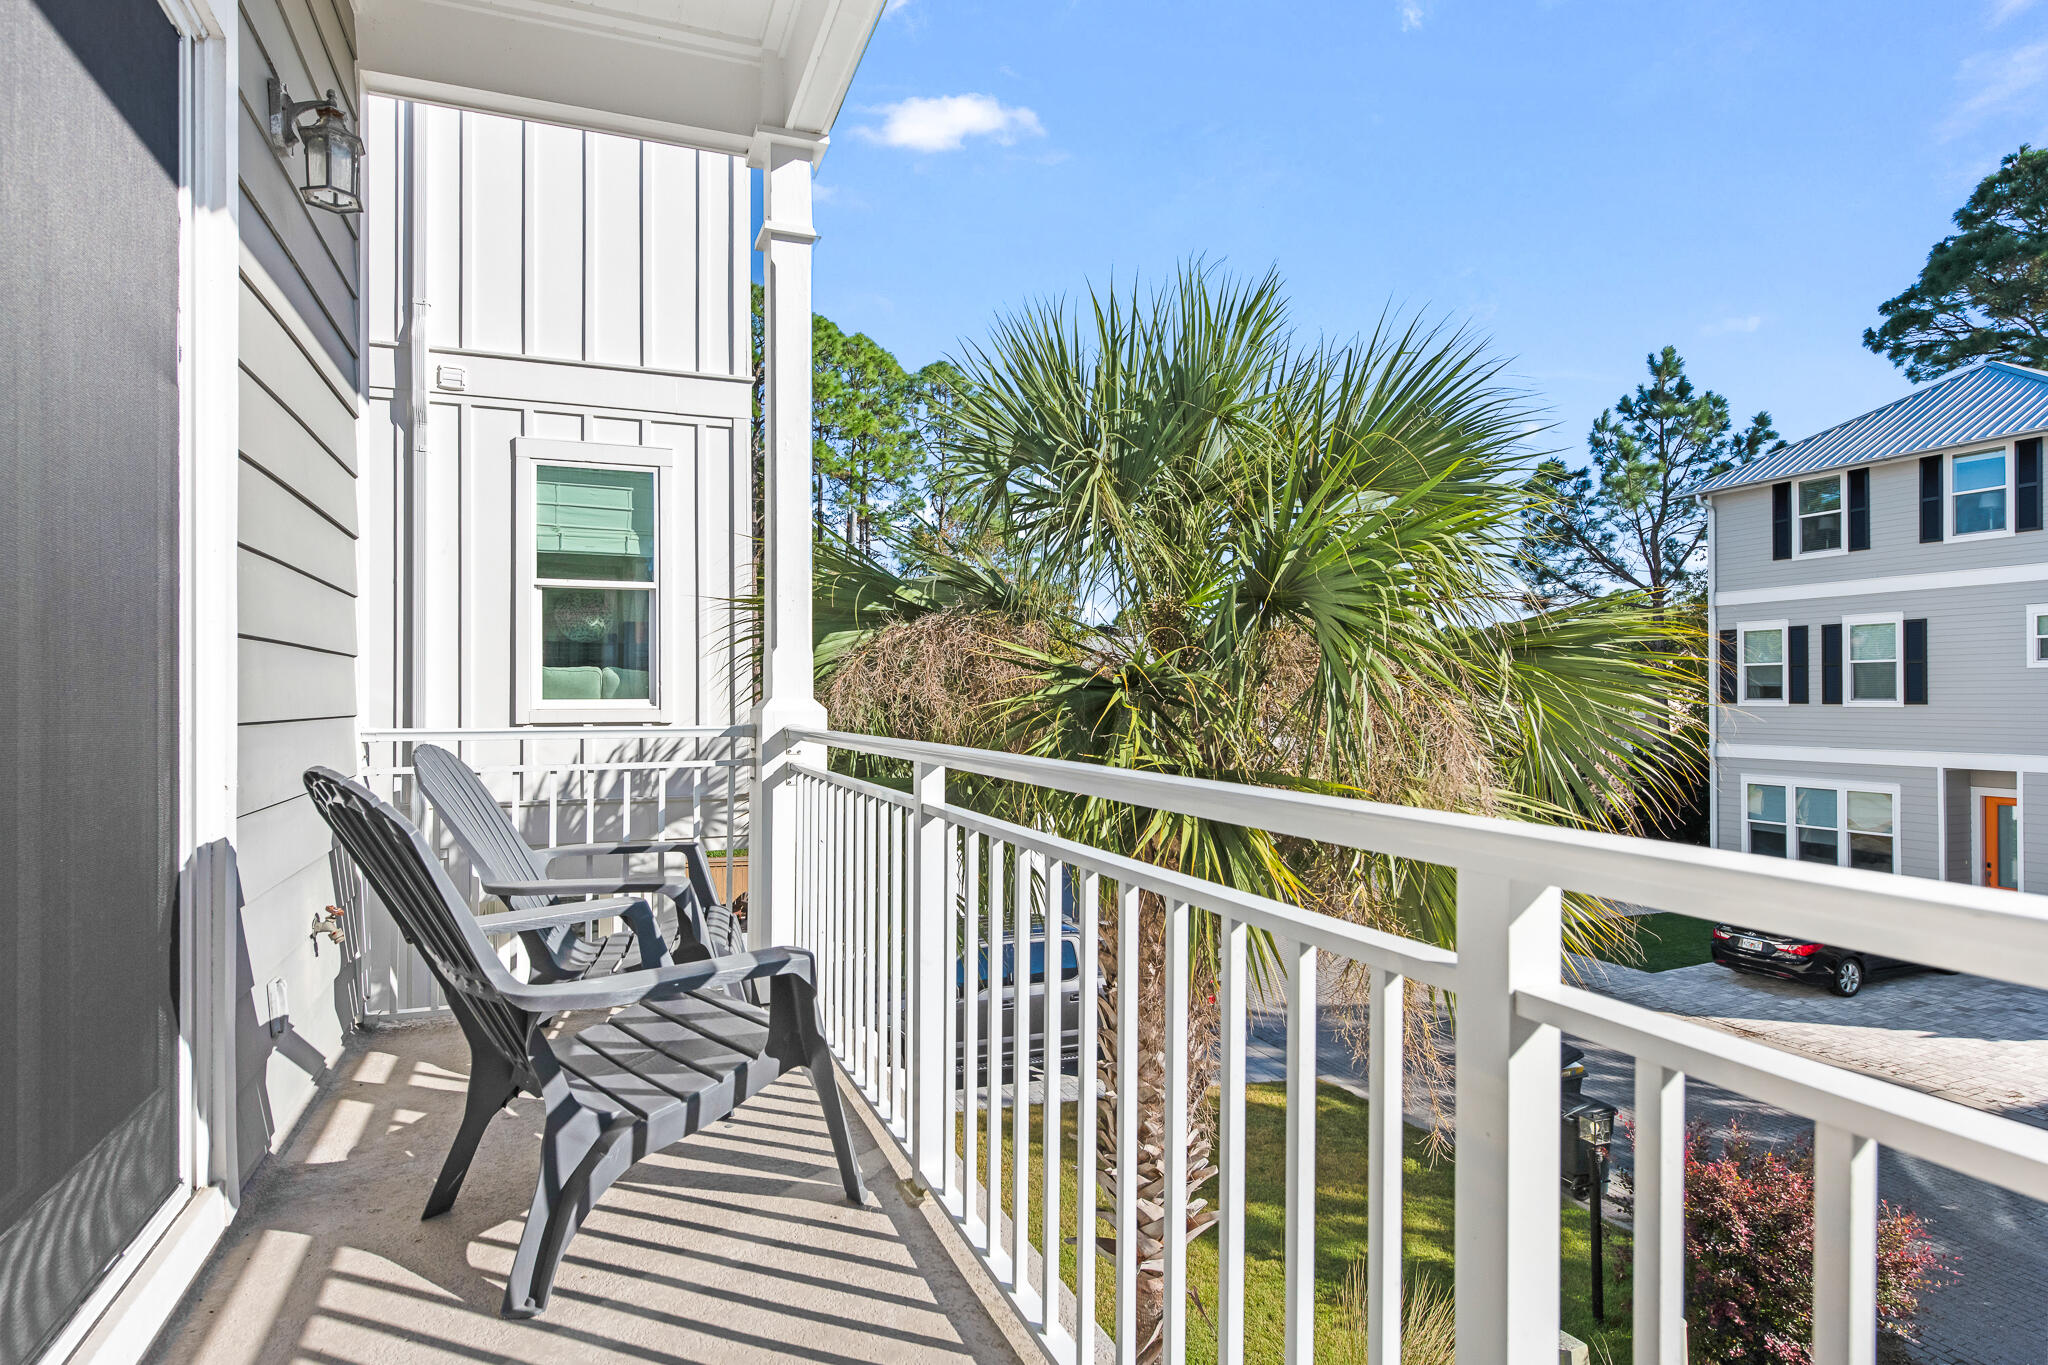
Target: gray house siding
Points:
(1742, 540)
(1981, 696)
(1917, 850)
(298, 569)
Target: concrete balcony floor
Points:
(737, 1245)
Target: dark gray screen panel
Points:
(88, 539)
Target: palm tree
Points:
(1195, 546)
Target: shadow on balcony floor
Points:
(736, 1245)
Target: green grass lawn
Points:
(1340, 1230)
(1666, 941)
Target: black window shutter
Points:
(1916, 661)
(1781, 521)
(2027, 483)
(1831, 665)
(1930, 497)
(1795, 660)
(1859, 509)
(1727, 669)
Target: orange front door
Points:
(2000, 818)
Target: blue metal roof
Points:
(1981, 404)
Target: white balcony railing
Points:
(893, 888)
(567, 785)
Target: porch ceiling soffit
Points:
(705, 73)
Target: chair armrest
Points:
(577, 912)
(661, 983)
(671, 887)
(679, 894)
(617, 847)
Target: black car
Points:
(1841, 970)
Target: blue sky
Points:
(1581, 180)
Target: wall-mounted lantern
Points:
(334, 154)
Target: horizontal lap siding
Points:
(1981, 696)
(1917, 823)
(1742, 540)
(298, 527)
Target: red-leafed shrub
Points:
(1749, 1253)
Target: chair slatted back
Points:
(394, 859)
(478, 822)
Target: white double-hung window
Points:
(1875, 657)
(2036, 636)
(1820, 515)
(594, 583)
(1763, 662)
(1817, 821)
(1978, 494)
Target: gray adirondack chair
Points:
(686, 923)
(683, 1055)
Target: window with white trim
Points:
(593, 579)
(1844, 824)
(1763, 662)
(1819, 507)
(2037, 635)
(1978, 493)
(1875, 655)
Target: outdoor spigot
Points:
(327, 925)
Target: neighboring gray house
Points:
(1879, 597)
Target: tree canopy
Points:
(1983, 294)
(1629, 520)
(879, 471)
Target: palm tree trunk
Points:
(1154, 1037)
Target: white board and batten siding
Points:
(587, 287)
(300, 352)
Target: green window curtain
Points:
(594, 523)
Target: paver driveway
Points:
(1980, 1043)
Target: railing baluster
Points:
(554, 776)
(842, 923)
(970, 1044)
(1300, 1238)
(952, 938)
(1230, 1145)
(732, 805)
(1020, 1067)
(1383, 1092)
(992, 988)
(1177, 929)
(1049, 1061)
(928, 919)
(1844, 1247)
(870, 976)
(1659, 1215)
(895, 1014)
(1086, 1145)
(1127, 1125)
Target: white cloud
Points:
(2001, 10)
(895, 5)
(1998, 82)
(1413, 12)
(1747, 323)
(943, 123)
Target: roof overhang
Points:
(705, 73)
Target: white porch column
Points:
(785, 159)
